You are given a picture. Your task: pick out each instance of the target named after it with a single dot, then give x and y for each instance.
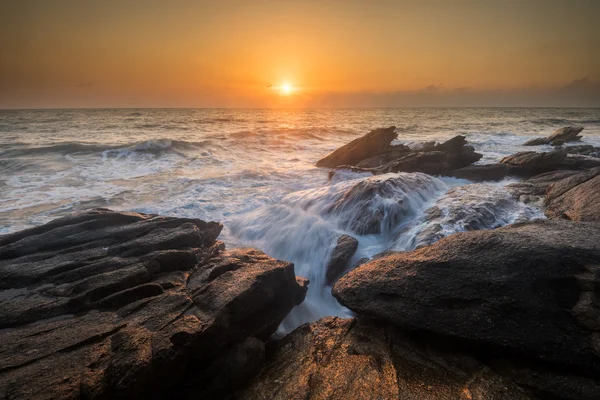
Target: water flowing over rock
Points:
(369, 145)
(478, 173)
(341, 359)
(526, 291)
(342, 253)
(305, 226)
(532, 190)
(125, 305)
(560, 136)
(471, 207)
(576, 197)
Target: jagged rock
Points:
(529, 163)
(532, 190)
(469, 208)
(523, 291)
(584, 150)
(478, 173)
(579, 162)
(125, 305)
(343, 359)
(342, 253)
(369, 145)
(439, 159)
(575, 197)
(560, 136)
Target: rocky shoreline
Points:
(104, 304)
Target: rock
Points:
(342, 253)
(560, 136)
(579, 162)
(526, 291)
(584, 150)
(478, 173)
(537, 142)
(533, 189)
(394, 153)
(469, 208)
(375, 204)
(529, 163)
(566, 134)
(575, 197)
(343, 359)
(369, 145)
(125, 305)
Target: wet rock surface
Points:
(532, 190)
(343, 251)
(360, 359)
(478, 173)
(125, 305)
(558, 137)
(373, 143)
(576, 197)
(529, 163)
(526, 292)
(432, 158)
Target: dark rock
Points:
(394, 153)
(369, 145)
(526, 291)
(560, 136)
(584, 150)
(529, 163)
(579, 162)
(534, 189)
(576, 197)
(342, 253)
(343, 359)
(478, 173)
(125, 305)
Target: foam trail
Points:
(304, 226)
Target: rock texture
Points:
(529, 163)
(369, 145)
(576, 197)
(527, 291)
(532, 190)
(125, 305)
(432, 159)
(342, 253)
(560, 136)
(358, 359)
(479, 173)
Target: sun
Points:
(286, 89)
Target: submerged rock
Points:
(125, 305)
(342, 253)
(560, 136)
(478, 173)
(343, 359)
(576, 197)
(369, 145)
(526, 291)
(471, 207)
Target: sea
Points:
(254, 171)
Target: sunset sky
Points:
(329, 53)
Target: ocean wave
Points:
(155, 146)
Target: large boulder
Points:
(558, 137)
(126, 305)
(339, 359)
(479, 173)
(369, 145)
(529, 163)
(343, 251)
(576, 197)
(527, 291)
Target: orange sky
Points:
(334, 53)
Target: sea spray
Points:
(304, 226)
